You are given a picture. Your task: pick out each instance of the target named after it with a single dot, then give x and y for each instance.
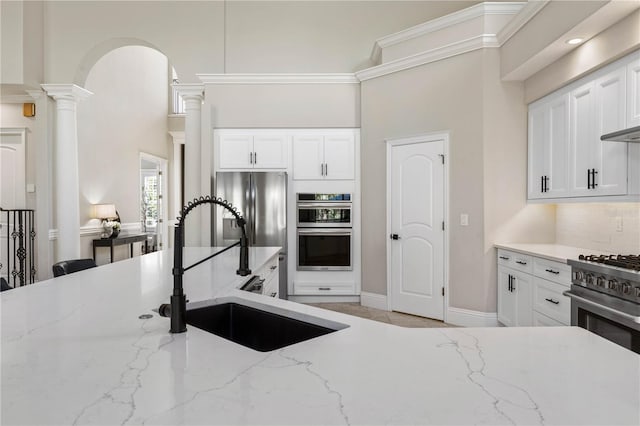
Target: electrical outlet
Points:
(619, 224)
(464, 219)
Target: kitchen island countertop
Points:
(75, 352)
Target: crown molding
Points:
(453, 49)
(189, 90)
(530, 9)
(293, 78)
(455, 18)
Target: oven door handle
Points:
(305, 205)
(635, 319)
(323, 232)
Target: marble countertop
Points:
(556, 252)
(75, 352)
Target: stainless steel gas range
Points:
(605, 297)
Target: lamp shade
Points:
(104, 211)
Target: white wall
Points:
(127, 114)
(595, 226)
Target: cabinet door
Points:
(583, 140)
(270, 151)
(524, 307)
(235, 151)
(339, 156)
(558, 148)
(537, 132)
(633, 94)
(506, 298)
(610, 158)
(308, 157)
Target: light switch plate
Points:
(464, 219)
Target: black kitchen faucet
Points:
(177, 309)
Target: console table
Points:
(119, 241)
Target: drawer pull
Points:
(552, 271)
(324, 288)
(520, 262)
(555, 302)
(504, 258)
(274, 267)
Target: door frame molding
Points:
(163, 163)
(424, 138)
(22, 133)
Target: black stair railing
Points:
(17, 246)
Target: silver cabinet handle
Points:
(326, 169)
(324, 288)
(552, 271)
(274, 267)
(555, 302)
(521, 262)
(273, 294)
(504, 257)
(251, 158)
(255, 158)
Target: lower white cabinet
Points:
(530, 290)
(310, 288)
(514, 297)
(270, 273)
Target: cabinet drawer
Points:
(270, 287)
(540, 320)
(549, 300)
(552, 271)
(517, 261)
(327, 288)
(269, 269)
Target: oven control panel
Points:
(607, 283)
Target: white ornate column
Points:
(65, 167)
(192, 94)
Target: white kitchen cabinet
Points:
(566, 158)
(329, 156)
(514, 297)
(529, 286)
(252, 150)
(549, 149)
(633, 91)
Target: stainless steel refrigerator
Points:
(261, 197)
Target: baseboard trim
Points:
(469, 318)
(373, 300)
(324, 299)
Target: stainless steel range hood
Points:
(631, 134)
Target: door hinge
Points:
(442, 157)
(443, 291)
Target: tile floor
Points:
(395, 318)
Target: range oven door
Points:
(325, 249)
(614, 319)
(324, 215)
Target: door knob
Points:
(394, 236)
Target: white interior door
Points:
(417, 216)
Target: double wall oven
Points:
(324, 232)
(605, 297)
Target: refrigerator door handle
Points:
(253, 210)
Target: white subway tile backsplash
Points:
(597, 226)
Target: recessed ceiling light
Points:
(575, 41)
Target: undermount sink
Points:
(258, 327)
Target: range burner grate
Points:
(629, 261)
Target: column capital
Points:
(66, 91)
(190, 91)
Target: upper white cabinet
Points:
(633, 100)
(322, 155)
(549, 149)
(567, 159)
(252, 150)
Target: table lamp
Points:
(104, 212)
